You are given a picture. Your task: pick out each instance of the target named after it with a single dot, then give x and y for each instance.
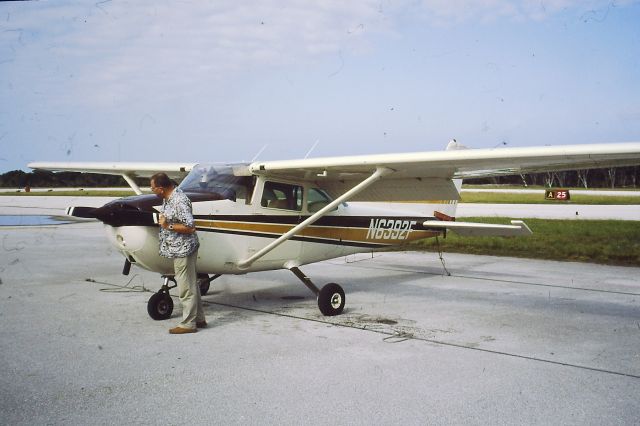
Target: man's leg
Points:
(200, 318)
(188, 290)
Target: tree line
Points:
(612, 177)
(46, 179)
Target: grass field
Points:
(518, 198)
(598, 241)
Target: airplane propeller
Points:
(132, 211)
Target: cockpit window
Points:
(277, 195)
(218, 179)
(317, 199)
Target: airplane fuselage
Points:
(230, 231)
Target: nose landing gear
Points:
(160, 304)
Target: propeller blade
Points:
(85, 212)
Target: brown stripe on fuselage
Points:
(332, 234)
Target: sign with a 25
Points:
(557, 194)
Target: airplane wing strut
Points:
(377, 175)
(132, 183)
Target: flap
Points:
(410, 189)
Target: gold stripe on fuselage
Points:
(333, 234)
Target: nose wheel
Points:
(160, 304)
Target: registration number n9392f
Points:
(389, 229)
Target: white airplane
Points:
(284, 214)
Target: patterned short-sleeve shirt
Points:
(177, 209)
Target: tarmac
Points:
(499, 341)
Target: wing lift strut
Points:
(132, 183)
(331, 297)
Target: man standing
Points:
(179, 241)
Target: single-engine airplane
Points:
(269, 215)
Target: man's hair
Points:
(162, 180)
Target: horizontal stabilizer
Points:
(474, 229)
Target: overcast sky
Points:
(217, 81)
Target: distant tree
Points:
(14, 179)
(46, 179)
(548, 179)
(583, 177)
(633, 176)
(611, 177)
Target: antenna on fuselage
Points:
(255, 157)
(312, 148)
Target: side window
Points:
(277, 195)
(317, 199)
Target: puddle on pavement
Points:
(32, 220)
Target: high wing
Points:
(128, 171)
(417, 175)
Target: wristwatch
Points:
(171, 227)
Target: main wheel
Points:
(160, 306)
(331, 299)
(203, 283)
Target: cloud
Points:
(448, 12)
(112, 52)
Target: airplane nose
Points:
(130, 211)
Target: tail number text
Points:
(390, 229)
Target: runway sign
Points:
(557, 194)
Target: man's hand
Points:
(162, 221)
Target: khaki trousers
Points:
(188, 291)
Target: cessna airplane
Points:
(269, 215)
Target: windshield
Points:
(218, 179)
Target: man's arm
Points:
(175, 227)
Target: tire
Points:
(331, 300)
(160, 306)
(203, 283)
